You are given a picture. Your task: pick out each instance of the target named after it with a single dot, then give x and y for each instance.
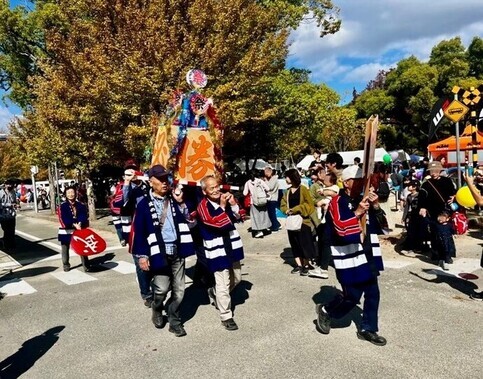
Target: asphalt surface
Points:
(97, 326)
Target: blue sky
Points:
(375, 35)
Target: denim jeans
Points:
(144, 280)
(272, 214)
(170, 277)
(341, 305)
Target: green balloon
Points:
(387, 159)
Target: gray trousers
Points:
(171, 276)
(65, 257)
(225, 281)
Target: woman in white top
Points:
(258, 190)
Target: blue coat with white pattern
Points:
(354, 262)
(146, 237)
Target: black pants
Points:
(8, 227)
(323, 246)
(302, 243)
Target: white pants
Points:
(225, 281)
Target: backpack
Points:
(383, 191)
(460, 222)
(259, 196)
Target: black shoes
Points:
(158, 320)
(147, 302)
(323, 320)
(296, 270)
(477, 296)
(371, 337)
(230, 324)
(123, 243)
(177, 330)
(66, 268)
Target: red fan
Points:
(87, 242)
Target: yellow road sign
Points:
(456, 111)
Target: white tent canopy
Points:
(347, 156)
(260, 165)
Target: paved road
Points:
(80, 325)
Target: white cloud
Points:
(376, 34)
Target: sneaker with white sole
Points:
(317, 272)
(259, 235)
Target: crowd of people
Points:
(334, 221)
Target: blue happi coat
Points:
(354, 262)
(146, 237)
(222, 245)
(68, 217)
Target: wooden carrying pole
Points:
(372, 125)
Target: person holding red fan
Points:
(72, 215)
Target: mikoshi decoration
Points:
(189, 142)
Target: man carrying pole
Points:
(352, 230)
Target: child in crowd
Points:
(412, 220)
(330, 190)
(445, 242)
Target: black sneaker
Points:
(304, 271)
(323, 319)
(230, 324)
(123, 243)
(371, 337)
(177, 330)
(477, 296)
(67, 268)
(147, 302)
(296, 270)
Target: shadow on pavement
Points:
(287, 257)
(28, 252)
(325, 295)
(241, 293)
(464, 286)
(96, 261)
(194, 297)
(29, 272)
(29, 353)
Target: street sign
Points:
(34, 170)
(456, 111)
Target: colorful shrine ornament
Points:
(196, 78)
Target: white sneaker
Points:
(259, 235)
(317, 272)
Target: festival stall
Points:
(447, 146)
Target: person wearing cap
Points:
(435, 196)
(223, 248)
(272, 182)
(161, 240)
(129, 192)
(357, 256)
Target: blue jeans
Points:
(341, 305)
(144, 280)
(272, 214)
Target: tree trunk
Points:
(52, 190)
(91, 201)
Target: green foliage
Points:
(405, 95)
(89, 72)
(475, 58)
